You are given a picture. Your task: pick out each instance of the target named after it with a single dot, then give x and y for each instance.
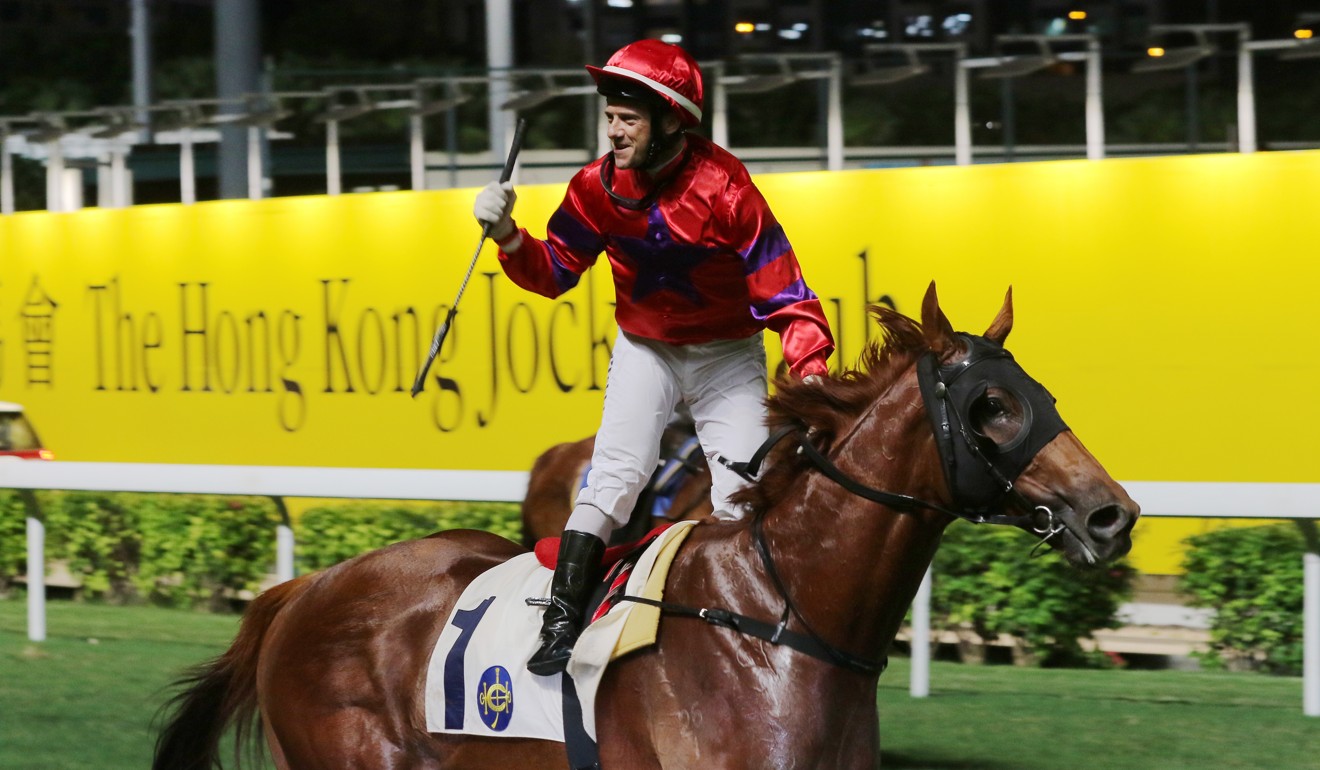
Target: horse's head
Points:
(1005, 448)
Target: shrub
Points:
(98, 537)
(987, 583)
(178, 550)
(1252, 578)
(203, 549)
(503, 519)
(330, 534)
(13, 537)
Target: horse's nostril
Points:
(1106, 521)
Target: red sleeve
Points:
(805, 335)
(552, 266)
(779, 295)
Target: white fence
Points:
(1178, 499)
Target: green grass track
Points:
(84, 700)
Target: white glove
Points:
(494, 207)
(812, 379)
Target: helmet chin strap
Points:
(643, 203)
(655, 148)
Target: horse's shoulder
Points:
(711, 543)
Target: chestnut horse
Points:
(843, 524)
(556, 476)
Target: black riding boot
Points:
(579, 561)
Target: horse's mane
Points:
(827, 408)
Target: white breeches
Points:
(723, 384)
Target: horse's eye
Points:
(986, 409)
(997, 417)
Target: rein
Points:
(812, 643)
(899, 502)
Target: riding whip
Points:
(440, 333)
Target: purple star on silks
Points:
(661, 263)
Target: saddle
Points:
(616, 564)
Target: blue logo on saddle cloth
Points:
(495, 698)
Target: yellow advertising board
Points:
(1168, 303)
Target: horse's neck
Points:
(852, 566)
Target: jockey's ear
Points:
(935, 325)
(1003, 323)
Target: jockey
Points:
(701, 267)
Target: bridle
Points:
(979, 476)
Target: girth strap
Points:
(775, 633)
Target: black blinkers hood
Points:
(979, 472)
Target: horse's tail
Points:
(221, 691)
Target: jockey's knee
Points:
(591, 520)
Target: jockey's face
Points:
(628, 126)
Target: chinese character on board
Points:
(38, 333)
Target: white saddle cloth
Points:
(477, 682)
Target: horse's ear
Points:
(1003, 323)
(935, 325)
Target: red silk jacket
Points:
(705, 261)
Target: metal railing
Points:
(1174, 499)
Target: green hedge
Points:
(1252, 578)
(986, 583)
(176, 550)
(13, 538)
(203, 550)
(330, 534)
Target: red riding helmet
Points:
(648, 69)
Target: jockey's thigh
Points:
(640, 394)
(725, 387)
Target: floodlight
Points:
(46, 132)
(261, 118)
(1305, 49)
(1014, 66)
(364, 102)
(549, 90)
(529, 99)
(341, 112)
(121, 121)
(759, 83)
(1172, 58)
(1160, 59)
(883, 76)
(454, 95)
(428, 108)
